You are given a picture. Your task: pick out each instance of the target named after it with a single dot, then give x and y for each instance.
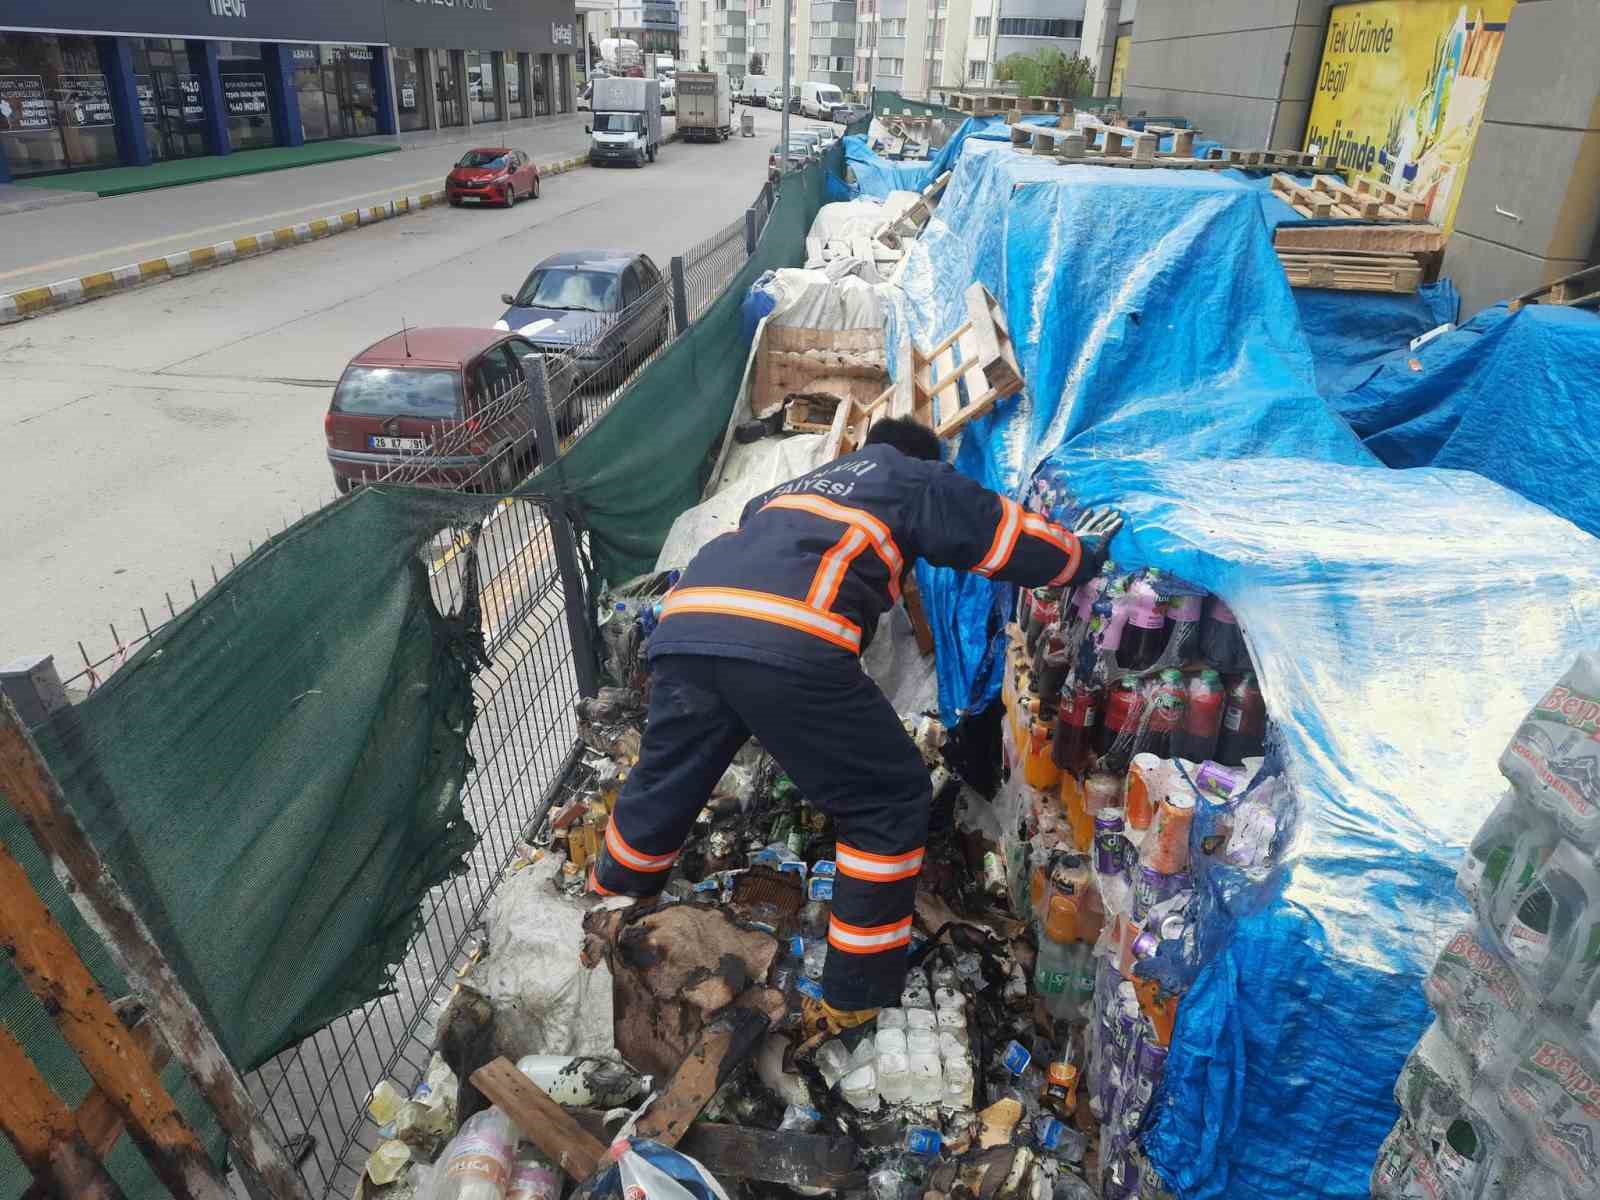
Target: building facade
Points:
(89, 84)
(914, 47)
(1001, 28)
(653, 25)
(714, 32)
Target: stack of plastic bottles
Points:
(1501, 1097)
(1136, 737)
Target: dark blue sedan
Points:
(608, 308)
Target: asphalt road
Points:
(153, 433)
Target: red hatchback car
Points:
(492, 175)
(398, 393)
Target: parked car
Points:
(811, 137)
(492, 175)
(398, 396)
(583, 97)
(775, 99)
(848, 114)
(608, 307)
(799, 155)
(817, 99)
(669, 98)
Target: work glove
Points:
(820, 1021)
(1094, 529)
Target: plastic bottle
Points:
(816, 954)
(1045, 612)
(927, 1075)
(1221, 640)
(1052, 975)
(533, 1178)
(1183, 629)
(832, 1061)
(1244, 723)
(1102, 790)
(1196, 737)
(1123, 704)
(1075, 803)
(957, 1083)
(1529, 852)
(1144, 635)
(859, 1087)
(1553, 935)
(1077, 718)
(1141, 789)
(799, 1118)
(476, 1165)
(894, 1075)
(1055, 660)
(583, 1081)
(1038, 764)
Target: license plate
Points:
(472, 199)
(396, 443)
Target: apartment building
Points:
(1001, 28)
(913, 47)
(714, 32)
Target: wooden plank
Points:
(97, 1116)
(45, 958)
(38, 799)
(542, 1121)
(1397, 239)
(41, 1130)
(797, 1160)
(730, 1038)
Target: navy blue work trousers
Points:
(840, 740)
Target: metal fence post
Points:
(680, 297)
(580, 626)
(750, 232)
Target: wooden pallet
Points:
(1420, 240)
(1351, 272)
(980, 103)
(1329, 196)
(956, 382)
(1581, 289)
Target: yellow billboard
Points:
(1401, 90)
(1119, 63)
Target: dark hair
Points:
(912, 439)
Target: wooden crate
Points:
(792, 361)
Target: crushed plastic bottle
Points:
(476, 1165)
(532, 1177)
(833, 1060)
(799, 1118)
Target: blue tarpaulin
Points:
(1512, 396)
(1402, 622)
(1350, 333)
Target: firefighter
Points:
(763, 635)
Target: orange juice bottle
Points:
(1039, 763)
(1076, 803)
(1140, 807)
(1161, 1009)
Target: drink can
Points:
(1146, 944)
(793, 868)
(1152, 1060)
(1214, 779)
(819, 887)
(1048, 1131)
(808, 987)
(1108, 841)
(1167, 848)
(922, 1140)
(1016, 1058)
(825, 868)
(1152, 887)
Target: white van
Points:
(817, 100)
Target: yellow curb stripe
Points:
(283, 235)
(32, 300)
(100, 281)
(319, 228)
(152, 267)
(203, 256)
(246, 245)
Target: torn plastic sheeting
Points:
(1351, 333)
(832, 297)
(860, 218)
(1508, 395)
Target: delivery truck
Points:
(627, 121)
(705, 106)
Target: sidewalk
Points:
(44, 246)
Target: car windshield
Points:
(571, 288)
(429, 393)
(617, 123)
(482, 158)
(829, 96)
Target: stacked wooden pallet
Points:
(1119, 146)
(980, 103)
(1329, 196)
(1581, 289)
(1351, 271)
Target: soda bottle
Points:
(1107, 620)
(1221, 640)
(1244, 723)
(1165, 702)
(1055, 657)
(1183, 628)
(1045, 612)
(1077, 718)
(1144, 635)
(1122, 715)
(1196, 737)
(1053, 973)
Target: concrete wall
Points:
(1530, 209)
(1242, 70)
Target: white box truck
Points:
(627, 121)
(757, 88)
(705, 106)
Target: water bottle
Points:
(927, 1075)
(957, 1084)
(894, 1075)
(476, 1165)
(816, 953)
(789, 967)
(533, 1178)
(859, 1087)
(832, 1061)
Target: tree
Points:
(756, 65)
(1048, 72)
(703, 67)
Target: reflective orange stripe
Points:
(635, 860)
(876, 531)
(1058, 537)
(877, 868)
(1005, 538)
(596, 886)
(764, 606)
(868, 939)
(831, 571)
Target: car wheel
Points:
(652, 153)
(535, 187)
(511, 195)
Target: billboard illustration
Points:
(1401, 92)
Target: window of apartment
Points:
(980, 26)
(977, 72)
(935, 38)
(893, 26)
(1037, 27)
(891, 66)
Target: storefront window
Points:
(541, 90)
(516, 93)
(408, 89)
(244, 95)
(446, 93)
(334, 85)
(483, 89)
(169, 98)
(563, 81)
(55, 104)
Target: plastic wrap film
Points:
(1401, 623)
(1509, 395)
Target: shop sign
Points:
(560, 35)
(146, 88)
(228, 8)
(245, 95)
(85, 101)
(23, 104)
(408, 97)
(304, 56)
(1401, 92)
(480, 5)
(352, 53)
(194, 108)
(1119, 63)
